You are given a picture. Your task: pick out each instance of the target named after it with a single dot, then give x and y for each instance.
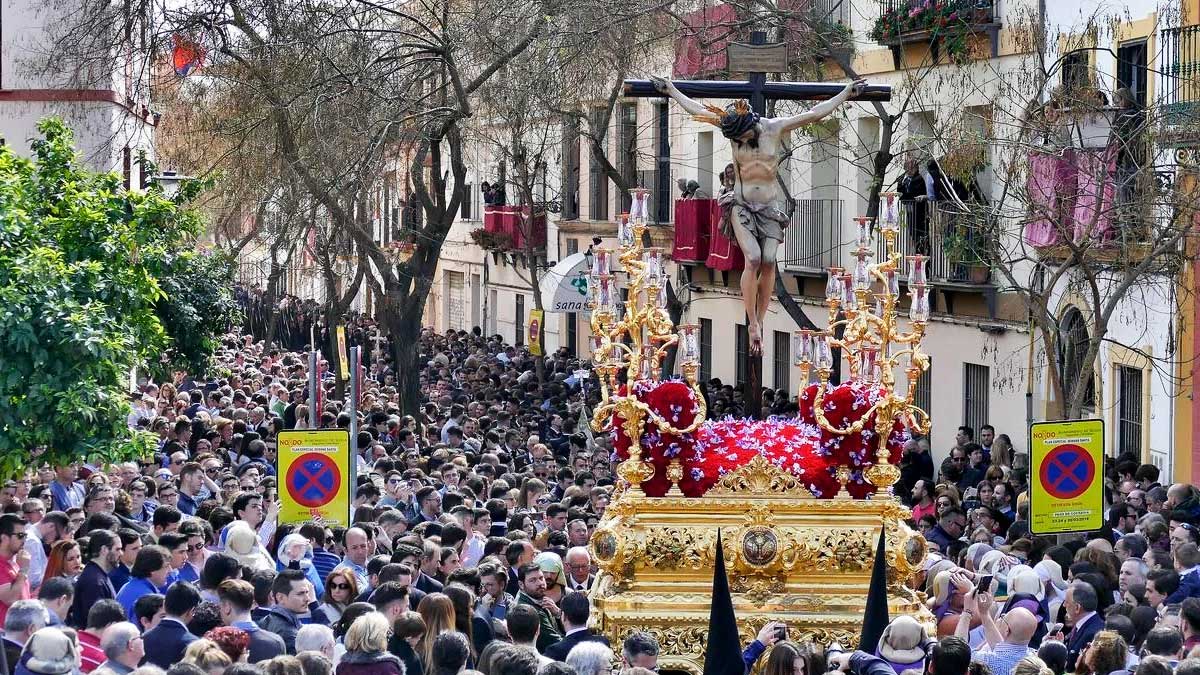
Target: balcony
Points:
(1179, 77)
(511, 228)
(947, 26)
(813, 242)
(1103, 202)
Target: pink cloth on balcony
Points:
(1051, 187)
(692, 225)
(508, 220)
(1096, 194)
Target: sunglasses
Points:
(340, 587)
(195, 548)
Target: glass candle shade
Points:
(916, 273)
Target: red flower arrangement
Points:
(797, 445)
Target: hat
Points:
(1022, 579)
(901, 643)
(1048, 570)
(552, 567)
(51, 652)
(241, 541)
(940, 588)
(975, 553)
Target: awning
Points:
(564, 286)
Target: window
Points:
(466, 203)
(1075, 71)
(1073, 340)
(597, 179)
(627, 157)
(742, 354)
(662, 164)
(1131, 69)
(127, 166)
(706, 339)
(975, 395)
(924, 392)
(570, 172)
(783, 361)
(519, 321)
(1129, 409)
(386, 230)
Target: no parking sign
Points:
(1066, 482)
(314, 476)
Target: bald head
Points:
(1022, 624)
(357, 549)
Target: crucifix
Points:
(753, 212)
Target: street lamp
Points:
(170, 182)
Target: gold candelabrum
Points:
(630, 337)
(864, 308)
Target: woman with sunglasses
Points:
(341, 588)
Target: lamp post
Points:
(170, 182)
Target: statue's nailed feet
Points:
(756, 339)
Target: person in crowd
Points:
(366, 648)
(103, 614)
(590, 658)
(24, 618)
(451, 651)
(575, 612)
(124, 648)
(166, 642)
(291, 594)
(407, 632)
(235, 600)
(150, 572)
(57, 594)
(341, 589)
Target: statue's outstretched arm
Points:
(819, 111)
(667, 88)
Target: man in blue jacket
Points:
(166, 642)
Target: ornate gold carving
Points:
(758, 588)
(759, 478)
(671, 547)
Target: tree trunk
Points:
(269, 302)
(406, 352)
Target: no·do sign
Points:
(1066, 491)
(314, 475)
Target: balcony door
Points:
(1131, 69)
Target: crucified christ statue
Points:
(752, 210)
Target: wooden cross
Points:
(756, 59)
(757, 89)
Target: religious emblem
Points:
(760, 546)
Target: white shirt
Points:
(37, 557)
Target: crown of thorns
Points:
(738, 119)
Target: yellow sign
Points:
(345, 363)
(1066, 481)
(536, 317)
(313, 470)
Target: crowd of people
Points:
(466, 549)
(1121, 600)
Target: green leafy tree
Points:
(95, 281)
